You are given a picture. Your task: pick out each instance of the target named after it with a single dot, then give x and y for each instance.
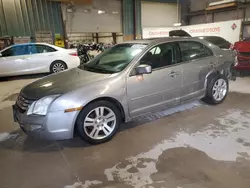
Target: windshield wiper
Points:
(98, 70)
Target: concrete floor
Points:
(192, 146)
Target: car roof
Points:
(30, 43)
(208, 37)
(160, 39)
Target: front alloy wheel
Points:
(98, 122)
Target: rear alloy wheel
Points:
(98, 122)
(217, 89)
(58, 66)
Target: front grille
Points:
(23, 103)
(244, 54)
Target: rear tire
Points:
(98, 122)
(217, 89)
(58, 66)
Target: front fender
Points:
(114, 88)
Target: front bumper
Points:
(54, 126)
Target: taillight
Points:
(235, 53)
(74, 54)
(231, 46)
(236, 62)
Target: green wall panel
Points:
(25, 17)
(131, 9)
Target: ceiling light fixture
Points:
(86, 10)
(177, 24)
(101, 12)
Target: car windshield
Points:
(114, 59)
(218, 41)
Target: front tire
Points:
(217, 89)
(98, 122)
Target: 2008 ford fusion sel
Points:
(126, 81)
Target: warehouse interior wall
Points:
(207, 17)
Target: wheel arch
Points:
(112, 100)
(210, 75)
(109, 99)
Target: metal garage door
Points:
(98, 16)
(156, 14)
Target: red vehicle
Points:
(242, 49)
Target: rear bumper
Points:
(242, 67)
(243, 63)
(73, 62)
(54, 126)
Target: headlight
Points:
(41, 106)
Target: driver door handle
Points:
(173, 74)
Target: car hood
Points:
(61, 83)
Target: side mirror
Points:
(143, 69)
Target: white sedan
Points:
(33, 58)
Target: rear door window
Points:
(38, 49)
(44, 49)
(191, 50)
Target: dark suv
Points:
(218, 41)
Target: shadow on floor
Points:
(17, 140)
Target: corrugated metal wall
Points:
(128, 19)
(196, 5)
(25, 17)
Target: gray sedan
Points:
(125, 81)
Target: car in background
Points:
(242, 49)
(123, 82)
(218, 41)
(34, 58)
(215, 40)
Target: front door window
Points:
(160, 56)
(15, 51)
